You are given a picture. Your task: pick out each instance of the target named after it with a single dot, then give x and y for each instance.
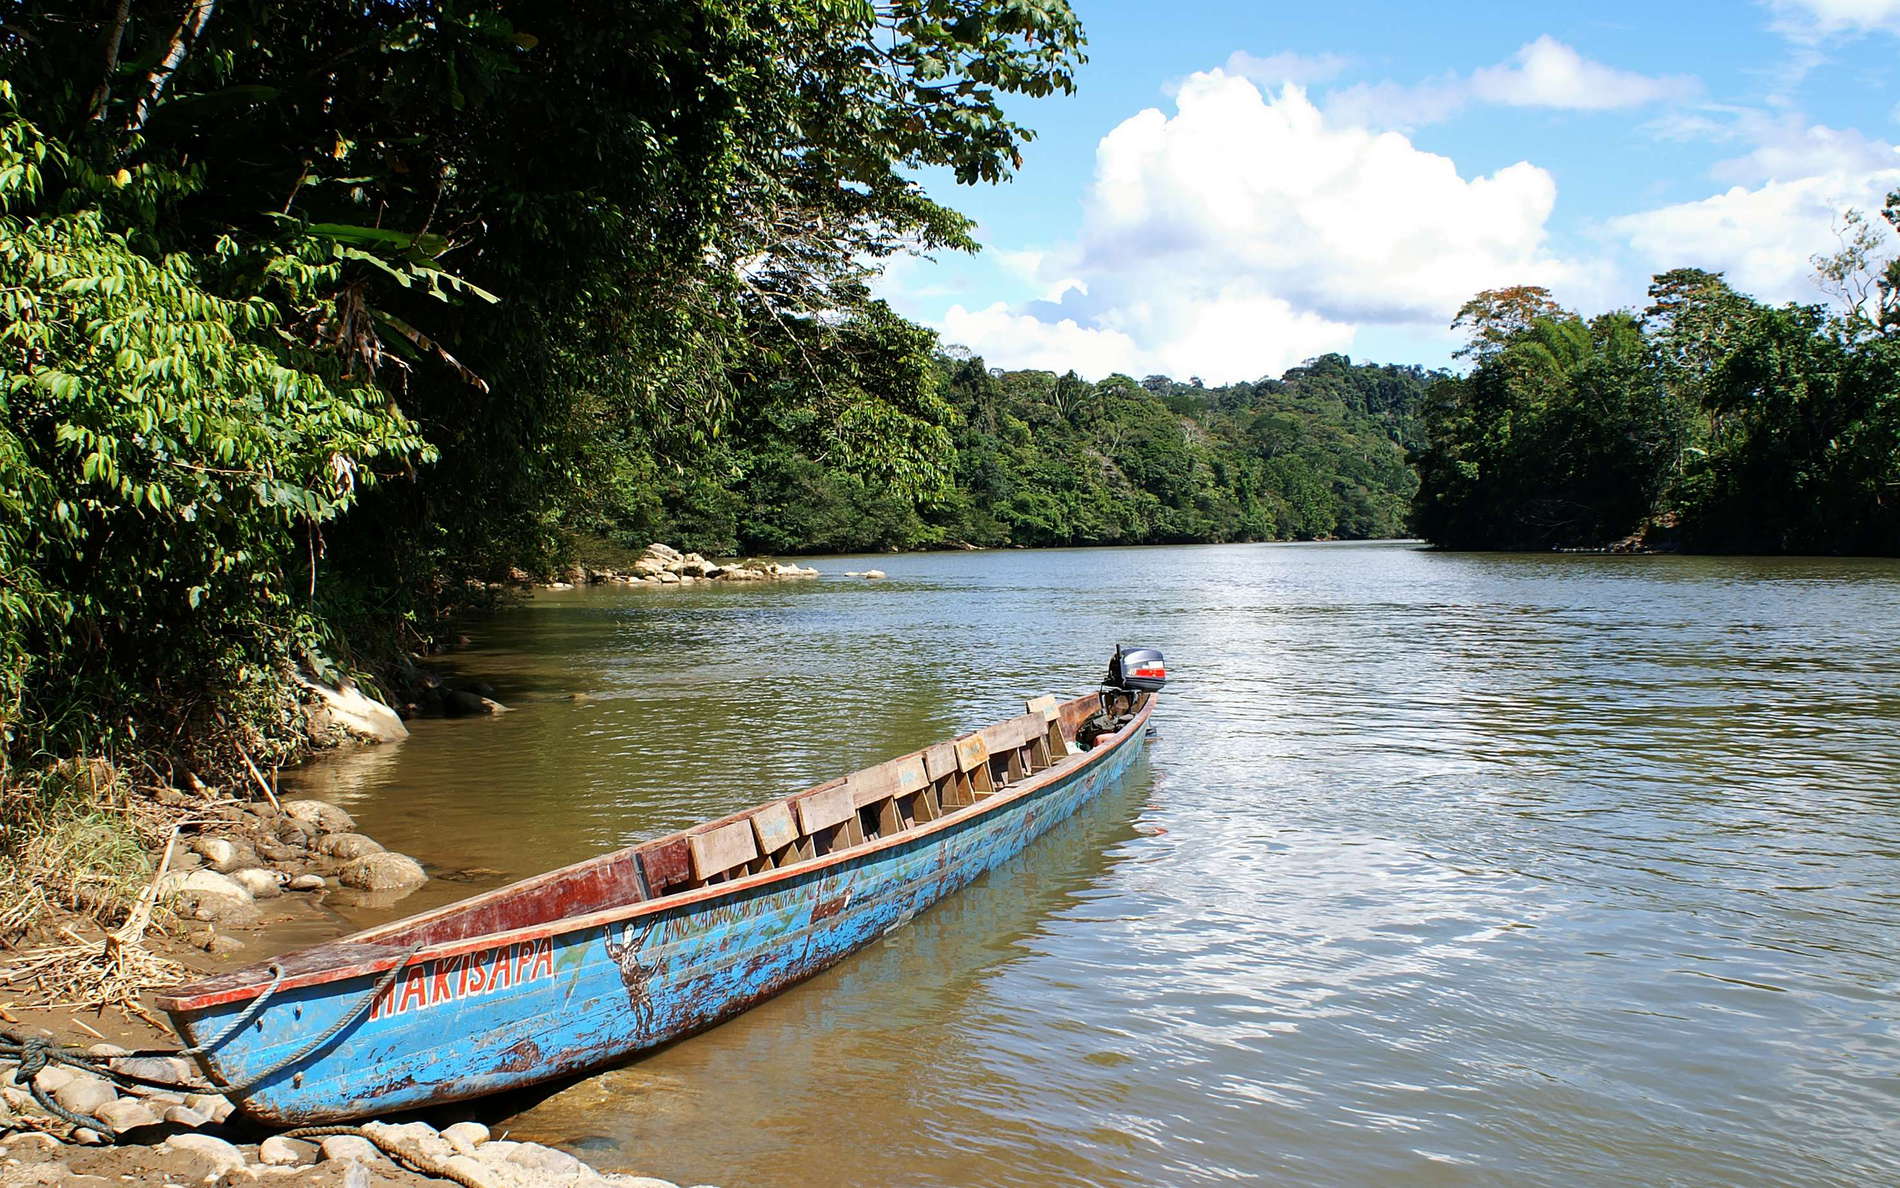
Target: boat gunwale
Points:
(176, 1004)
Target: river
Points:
(1442, 868)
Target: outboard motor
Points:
(1137, 670)
(1132, 671)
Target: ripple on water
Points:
(1443, 869)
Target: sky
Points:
(1237, 187)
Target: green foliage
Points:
(1714, 421)
(1034, 459)
(530, 265)
(168, 451)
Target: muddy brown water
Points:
(1442, 869)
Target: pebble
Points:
(85, 1094)
(221, 853)
(350, 1146)
(54, 1077)
(108, 1050)
(181, 1115)
(262, 884)
(536, 1157)
(34, 1139)
(212, 1105)
(327, 818)
(279, 1151)
(175, 1070)
(465, 1136)
(305, 882)
(348, 845)
(225, 1157)
(296, 834)
(383, 872)
(126, 1113)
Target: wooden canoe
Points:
(589, 964)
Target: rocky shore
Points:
(664, 565)
(234, 871)
(374, 1154)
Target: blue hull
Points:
(488, 1014)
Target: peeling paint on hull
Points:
(575, 994)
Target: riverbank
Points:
(233, 881)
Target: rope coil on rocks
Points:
(32, 1053)
(415, 1159)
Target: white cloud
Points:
(1815, 19)
(1786, 147)
(1277, 70)
(1544, 73)
(1008, 339)
(1548, 73)
(1400, 106)
(1244, 234)
(1764, 238)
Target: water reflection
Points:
(1447, 869)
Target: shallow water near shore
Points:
(1441, 869)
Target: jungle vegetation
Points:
(311, 312)
(1710, 421)
(1033, 459)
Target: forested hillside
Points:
(1034, 459)
(1710, 422)
(311, 312)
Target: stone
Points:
(474, 1171)
(386, 871)
(218, 944)
(181, 1115)
(277, 853)
(546, 1160)
(669, 578)
(108, 1050)
(326, 817)
(54, 1077)
(126, 1113)
(624, 1180)
(206, 894)
(348, 710)
(464, 1137)
(460, 703)
(212, 1105)
(664, 552)
(175, 1070)
(263, 884)
(299, 834)
(305, 882)
(223, 1156)
(348, 845)
(34, 1140)
(278, 1151)
(874, 574)
(411, 1138)
(218, 852)
(85, 1093)
(349, 1146)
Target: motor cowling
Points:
(1137, 670)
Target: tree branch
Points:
(115, 36)
(196, 18)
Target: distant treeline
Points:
(1711, 422)
(1034, 459)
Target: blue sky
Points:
(1237, 187)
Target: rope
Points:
(425, 1164)
(335, 1029)
(33, 1053)
(250, 1012)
